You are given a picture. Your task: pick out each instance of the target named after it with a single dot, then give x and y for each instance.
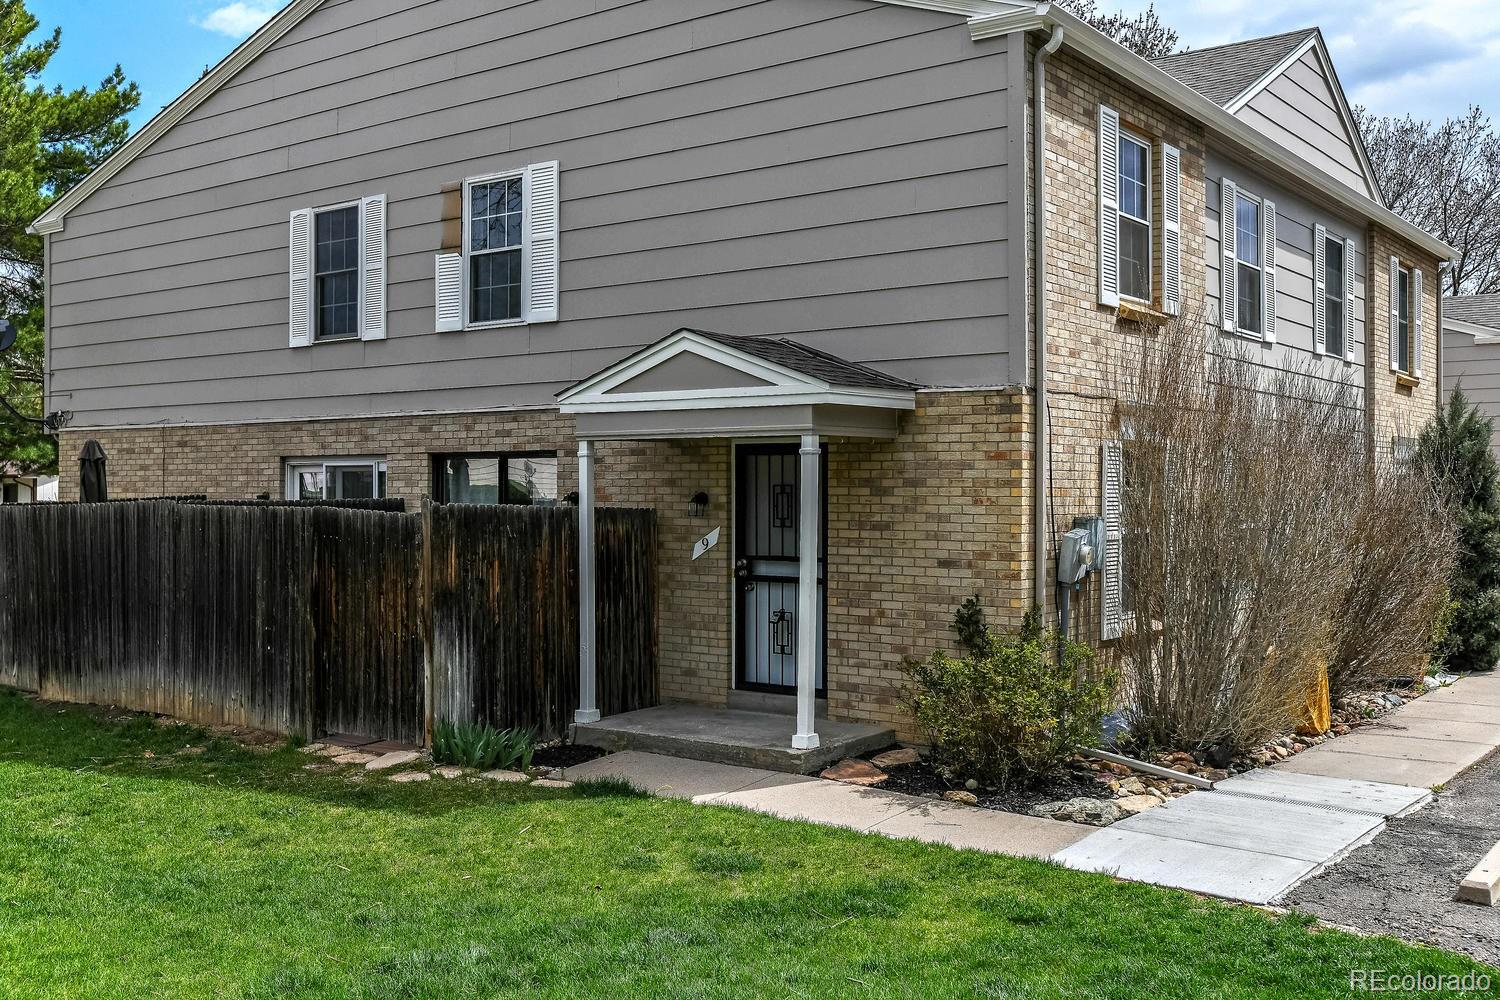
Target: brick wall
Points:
(915, 525)
(1399, 407)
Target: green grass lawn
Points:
(131, 869)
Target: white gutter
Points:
(1039, 294)
(1243, 140)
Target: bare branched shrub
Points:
(1249, 506)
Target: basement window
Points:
(335, 479)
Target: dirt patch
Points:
(566, 755)
(1403, 882)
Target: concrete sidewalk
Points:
(1254, 837)
(833, 803)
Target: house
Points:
(770, 267)
(19, 487)
(1471, 352)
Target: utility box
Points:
(1076, 557)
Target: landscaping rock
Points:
(1132, 786)
(1133, 804)
(406, 777)
(509, 776)
(353, 758)
(856, 772)
(972, 785)
(1214, 774)
(315, 748)
(961, 797)
(449, 771)
(896, 758)
(551, 783)
(389, 760)
(325, 750)
(1092, 812)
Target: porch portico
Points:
(697, 385)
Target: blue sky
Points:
(1432, 59)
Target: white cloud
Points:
(238, 19)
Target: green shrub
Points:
(473, 744)
(1013, 706)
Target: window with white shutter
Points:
(1112, 592)
(1320, 289)
(1416, 323)
(338, 272)
(1397, 290)
(508, 265)
(1171, 230)
(1349, 251)
(1109, 206)
(300, 305)
(1268, 270)
(1229, 286)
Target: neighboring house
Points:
(29, 488)
(1471, 352)
(727, 259)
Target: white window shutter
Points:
(542, 181)
(1320, 290)
(1268, 270)
(1416, 323)
(372, 228)
(1171, 230)
(300, 304)
(1395, 337)
(1229, 292)
(1109, 206)
(1349, 300)
(1112, 595)
(450, 292)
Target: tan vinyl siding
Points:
(1475, 368)
(1299, 110)
(830, 169)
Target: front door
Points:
(768, 490)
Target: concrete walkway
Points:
(1253, 837)
(1258, 835)
(833, 803)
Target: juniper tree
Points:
(1455, 451)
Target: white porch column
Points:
(809, 618)
(588, 698)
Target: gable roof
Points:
(810, 361)
(1223, 73)
(1233, 75)
(1473, 311)
(987, 19)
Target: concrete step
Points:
(724, 736)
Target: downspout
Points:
(1039, 299)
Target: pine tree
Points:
(1454, 450)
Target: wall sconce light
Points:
(699, 504)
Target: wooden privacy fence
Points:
(313, 619)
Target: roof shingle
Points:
(1481, 310)
(809, 361)
(1224, 72)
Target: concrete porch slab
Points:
(722, 736)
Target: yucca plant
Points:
(482, 746)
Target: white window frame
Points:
(1149, 149)
(1345, 328)
(292, 466)
(1260, 270)
(359, 272)
(469, 183)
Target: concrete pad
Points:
(1209, 869)
(1483, 884)
(830, 803)
(1371, 797)
(1388, 770)
(672, 777)
(1278, 829)
(354, 758)
(1403, 747)
(407, 777)
(1479, 689)
(987, 830)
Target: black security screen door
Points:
(769, 487)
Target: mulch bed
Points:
(925, 780)
(566, 755)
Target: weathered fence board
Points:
(311, 619)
